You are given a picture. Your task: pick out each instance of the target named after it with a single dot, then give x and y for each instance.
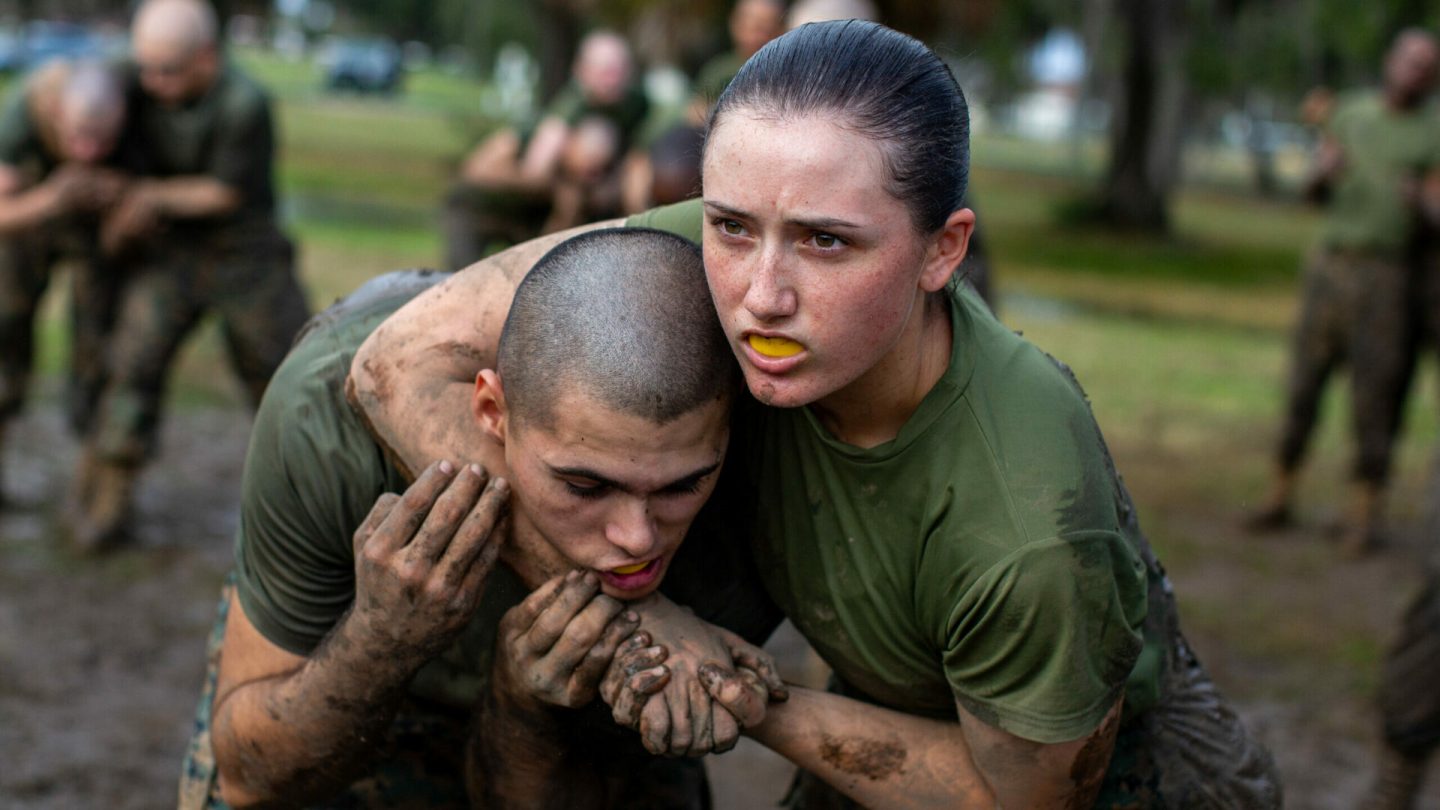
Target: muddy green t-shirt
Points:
(979, 557)
(571, 106)
(313, 471)
(1383, 149)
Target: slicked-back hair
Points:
(879, 83)
(623, 316)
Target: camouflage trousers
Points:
(1356, 310)
(250, 286)
(421, 762)
(478, 222)
(27, 263)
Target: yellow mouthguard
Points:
(626, 570)
(775, 347)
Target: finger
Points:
(636, 692)
(742, 694)
(578, 638)
(615, 676)
(519, 618)
(575, 593)
(744, 654)
(600, 655)
(450, 509)
(682, 727)
(477, 542)
(724, 728)
(702, 735)
(409, 513)
(372, 521)
(655, 724)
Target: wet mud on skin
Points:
(101, 661)
(867, 758)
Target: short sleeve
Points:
(1042, 644)
(244, 146)
(685, 219)
(302, 497)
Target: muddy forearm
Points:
(878, 757)
(295, 738)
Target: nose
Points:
(770, 296)
(632, 529)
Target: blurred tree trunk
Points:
(1146, 129)
(560, 23)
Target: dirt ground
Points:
(100, 660)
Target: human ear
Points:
(947, 249)
(488, 404)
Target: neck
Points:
(871, 410)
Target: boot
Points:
(1396, 782)
(101, 522)
(1275, 514)
(1363, 528)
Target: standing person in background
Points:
(1378, 171)
(197, 234)
(507, 182)
(59, 137)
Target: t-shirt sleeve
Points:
(685, 219)
(244, 146)
(1042, 643)
(293, 553)
(17, 134)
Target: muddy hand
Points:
(556, 645)
(683, 720)
(421, 560)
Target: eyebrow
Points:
(814, 223)
(682, 482)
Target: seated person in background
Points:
(59, 157)
(587, 187)
(506, 183)
(356, 649)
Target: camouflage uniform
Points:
(239, 266)
(478, 221)
(1355, 310)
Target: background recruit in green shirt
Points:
(1382, 149)
(226, 134)
(978, 557)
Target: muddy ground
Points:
(100, 660)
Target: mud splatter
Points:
(872, 759)
(1087, 772)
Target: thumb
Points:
(744, 697)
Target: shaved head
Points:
(623, 316)
(808, 11)
(90, 114)
(604, 67)
(185, 25)
(173, 43)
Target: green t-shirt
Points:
(313, 470)
(227, 134)
(571, 106)
(1382, 149)
(982, 556)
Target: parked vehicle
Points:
(363, 66)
